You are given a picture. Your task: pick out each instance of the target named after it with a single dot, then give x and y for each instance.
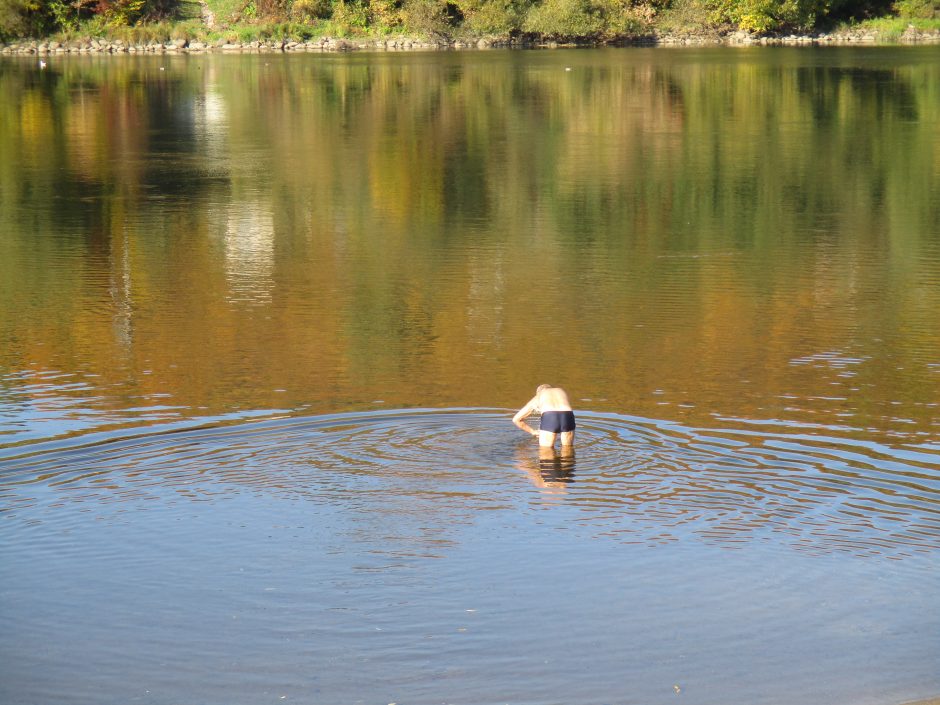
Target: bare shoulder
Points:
(553, 399)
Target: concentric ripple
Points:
(824, 493)
(631, 478)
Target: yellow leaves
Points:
(125, 12)
(385, 12)
(755, 21)
(767, 15)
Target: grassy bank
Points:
(893, 29)
(445, 22)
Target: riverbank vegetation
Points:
(250, 20)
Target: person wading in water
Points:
(557, 417)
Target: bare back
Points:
(552, 399)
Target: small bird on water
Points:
(42, 64)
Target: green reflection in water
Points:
(676, 234)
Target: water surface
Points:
(264, 319)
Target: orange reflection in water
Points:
(673, 236)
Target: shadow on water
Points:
(637, 479)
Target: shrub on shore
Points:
(37, 18)
(249, 20)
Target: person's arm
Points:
(523, 413)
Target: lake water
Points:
(264, 321)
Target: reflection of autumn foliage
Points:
(427, 230)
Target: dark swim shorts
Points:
(557, 421)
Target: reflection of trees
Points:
(402, 214)
(249, 251)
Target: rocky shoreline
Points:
(333, 44)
